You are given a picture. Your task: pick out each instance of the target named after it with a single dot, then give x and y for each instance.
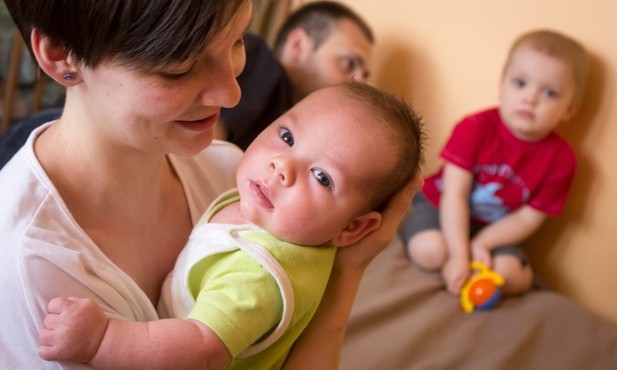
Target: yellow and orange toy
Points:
(481, 291)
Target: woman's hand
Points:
(359, 255)
(319, 346)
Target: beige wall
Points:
(445, 58)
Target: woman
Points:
(99, 203)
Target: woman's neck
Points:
(131, 205)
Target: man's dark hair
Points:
(318, 19)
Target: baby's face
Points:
(306, 176)
(536, 94)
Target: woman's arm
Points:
(319, 347)
(77, 330)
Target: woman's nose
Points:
(221, 88)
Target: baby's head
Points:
(321, 173)
(401, 127)
(542, 84)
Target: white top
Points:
(45, 253)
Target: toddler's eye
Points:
(518, 82)
(323, 178)
(287, 136)
(550, 93)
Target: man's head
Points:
(321, 173)
(324, 43)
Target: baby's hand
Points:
(74, 329)
(455, 273)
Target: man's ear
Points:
(357, 229)
(297, 46)
(53, 60)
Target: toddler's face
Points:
(536, 94)
(304, 178)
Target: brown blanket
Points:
(404, 319)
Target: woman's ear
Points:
(357, 229)
(297, 46)
(53, 60)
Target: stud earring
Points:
(68, 76)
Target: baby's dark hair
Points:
(318, 19)
(405, 128)
(143, 34)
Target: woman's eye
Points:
(177, 74)
(240, 41)
(287, 136)
(323, 178)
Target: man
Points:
(320, 44)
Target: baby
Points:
(255, 267)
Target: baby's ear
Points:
(357, 229)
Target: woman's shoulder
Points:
(219, 158)
(223, 152)
(208, 174)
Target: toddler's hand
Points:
(455, 272)
(74, 329)
(481, 254)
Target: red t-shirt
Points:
(507, 172)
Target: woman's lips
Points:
(260, 195)
(200, 124)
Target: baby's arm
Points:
(455, 219)
(77, 330)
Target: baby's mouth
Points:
(261, 195)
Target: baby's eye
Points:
(549, 93)
(323, 178)
(287, 136)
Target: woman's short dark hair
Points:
(142, 34)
